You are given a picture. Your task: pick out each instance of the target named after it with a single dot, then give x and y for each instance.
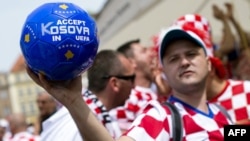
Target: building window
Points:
(6, 110)
(29, 91)
(32, 108)
(23, 108)
(17, 78)
(21, 93)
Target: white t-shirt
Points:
(60, 126)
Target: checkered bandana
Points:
(133, 106)
(101, 113)
(200, 26)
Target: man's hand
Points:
(229, 7)
(66, 92)
(218, 13)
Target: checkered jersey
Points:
(134, 106)
(155, 124)
(235, 97)
(23, 136)
(101, 113)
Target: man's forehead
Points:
(178, 50)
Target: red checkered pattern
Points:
(155, 124)
(198, 22)
(236, 99)
(134, 106)
(23, 136)
(101, 113)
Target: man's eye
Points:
(191, 53)
(172, 59)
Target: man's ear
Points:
(210, 67)
(132, 62)
(114, 84)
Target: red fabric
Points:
(155, 124)
(235, 98)
(219, 67)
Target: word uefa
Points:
(236, 132)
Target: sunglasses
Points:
(124, 77)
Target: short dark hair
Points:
(106, 63)
(126, 48)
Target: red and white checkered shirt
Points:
(235, 97)
(155, 124)
(23, 136)
(138, 99)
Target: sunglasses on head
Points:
(124, 77)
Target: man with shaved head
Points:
(47, 106)
(18, 128)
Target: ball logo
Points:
(59, 39)
(27, 38)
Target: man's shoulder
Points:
(233, 82)
(239, 86)
(60, 123)
(58, 116)
(156, 109)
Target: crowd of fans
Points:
(131, 80)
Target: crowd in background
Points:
(120, 87)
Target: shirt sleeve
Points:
(152, 125)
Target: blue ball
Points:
(59, 40)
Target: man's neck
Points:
(196, 100)
(106, 100)
(140, 80)
(18, 130)
(216, 87)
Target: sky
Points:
(13, 15)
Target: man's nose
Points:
(184, 61)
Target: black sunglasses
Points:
(124, 77)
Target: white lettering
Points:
(59, 22)
(243, 131)
(64, 29)
(72, 30)
(86, 30)
(82, 38)
(70, 22)
(54, 30)
(231, 132)
(236, 132)
(44, 28)
(64, 21)
(56, 38)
